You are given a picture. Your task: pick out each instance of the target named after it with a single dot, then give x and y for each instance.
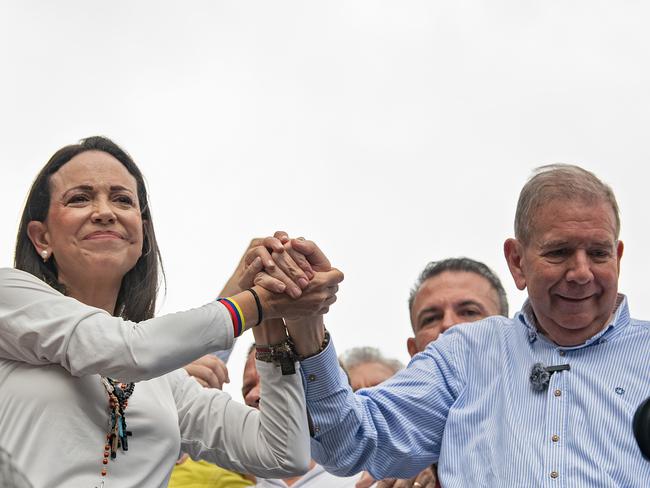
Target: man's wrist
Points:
(313, 351)
(307, 335)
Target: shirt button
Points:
(317, 429)
(554, 474)
(557, 393)
(562, 353)
(555, 438)
(311, 378)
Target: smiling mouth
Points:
(575, 300)
(103, 235)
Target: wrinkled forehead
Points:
(566, 216)
(92, 169)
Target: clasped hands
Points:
(301, 282)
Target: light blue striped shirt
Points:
(467, 402)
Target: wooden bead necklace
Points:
(118, 400)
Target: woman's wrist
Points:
(268, 301)
(245, 309)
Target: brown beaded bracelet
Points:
(281, 354)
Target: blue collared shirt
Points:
(467, 403)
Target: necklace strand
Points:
(117, 435)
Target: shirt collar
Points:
(620, 319)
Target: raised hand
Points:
(301, 249)
(315, 299)
(268, 264)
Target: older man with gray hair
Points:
(543, 399)
(367, 366)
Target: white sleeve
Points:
(38, 325)
(272, 442)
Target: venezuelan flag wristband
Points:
(236, 315)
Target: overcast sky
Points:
(391, 133)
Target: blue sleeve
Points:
(392, 430)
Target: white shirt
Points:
(54, 409)
(316, 477)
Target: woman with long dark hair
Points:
(92, 393)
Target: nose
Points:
(450, 319)
(103, 212)
(580, 268)
(252, 398)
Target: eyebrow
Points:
(560, 243)
(92, 188)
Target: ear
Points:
(514, 252)
(38, 234)
(619, 254)
(411, 346)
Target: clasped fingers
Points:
(281, 272)
(317, 297)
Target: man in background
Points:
(447, 293)
(451, 292)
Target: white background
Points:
(391, 133)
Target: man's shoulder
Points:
(485, 334)
(638, 326)
(494, 327)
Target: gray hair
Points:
(362, 355)
(434, 268)
(564, 182)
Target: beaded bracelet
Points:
(281, 354)
(236, 315)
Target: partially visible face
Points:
(94, 226)
(366, 375)
(251, 385)
(447, 299)
(570, 268)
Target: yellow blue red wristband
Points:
(236, 315)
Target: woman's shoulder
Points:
(15, 274)
(18, 286)
(12, 277)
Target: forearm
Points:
(307, 334)
(272, 442)
(357, 431)
(270, 332)
(40, 326)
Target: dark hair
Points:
(434, 268)
(136, 299)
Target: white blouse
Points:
(54, 409)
